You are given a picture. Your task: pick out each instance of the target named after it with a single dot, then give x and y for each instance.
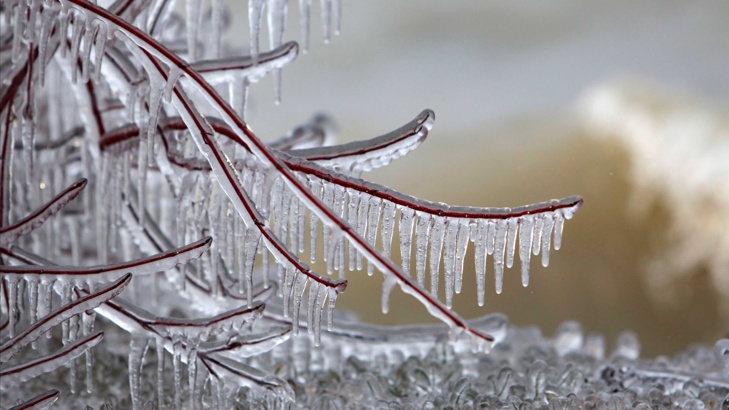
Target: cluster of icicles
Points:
(178, 183)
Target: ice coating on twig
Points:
(10, 233)
(39, 402)
(33, 332)
(137, 320)
(245, 376)
(226, 69)
(21, 373)
(363, 156)
(157, 263)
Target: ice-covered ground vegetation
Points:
(134, 190)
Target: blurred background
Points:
(540, 101)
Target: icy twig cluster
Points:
(121, 161)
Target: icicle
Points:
(216, 21)
(387, 286)
(422, 232)
(512, 224)
(159, 348)
(274, 204)
(48, 299)
(372, 223)
(490, 235)
(32, 17)
(78, 29)
(255, 12)
(315, 187)
(299, 219)
(436, 247)
(259, 179)
(101, 37)
(332, 299)
(88, 37)
(64, 20)
(12, 286)
(558, 227)
(361, 227)
(499, 246)
(336, 238)
(340, 257)
(155, 104)
(277, 10)
(264, 263)
(294, 225)
(537, 234)
(33, 299)
(406, 236)
(243, 86)
(321, 297)
(176, 362)
(192, 370)
(526, 226)
(88, 328)
(288, 288)
(337, 6)
(250, 245)
(388, 223)
(449, 258)
(136, 361)
(126, 171)
(280, 276)
(194, 17)
(298, 294)
(480, 259)
(464, 231)
(328, 201)
(546, 238)
(18, 29)
(313, 291)
(352, 221)
(72, 336)
(305, 21)
(142, 159)
(326, 18)
(283, 222)
(48, 17)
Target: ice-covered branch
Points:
(107, 273)
(39, 402)
(362, 156)
(10, 233)
(78, 306)
(202, 133)
(21, 373)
